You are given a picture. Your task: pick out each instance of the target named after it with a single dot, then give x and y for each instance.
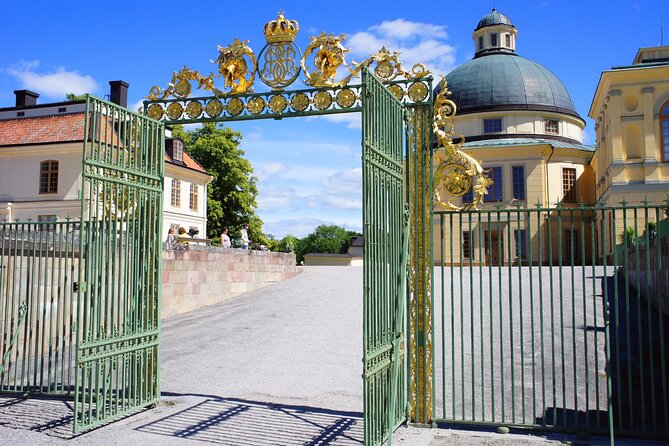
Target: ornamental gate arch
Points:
(108, 339)
(398, 136)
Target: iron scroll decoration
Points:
(277, 67)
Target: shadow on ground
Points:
(50, 416)
(236, 421)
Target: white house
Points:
(41, 158)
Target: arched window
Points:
(664, 129)
(48, 177)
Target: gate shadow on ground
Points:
(50, 416)
(236, 421)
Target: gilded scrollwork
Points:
(236, 65)
(456, 172)
(330, 55)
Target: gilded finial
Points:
(281, 30)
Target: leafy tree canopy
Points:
(326, 239)
(71, 97)
(231, 195)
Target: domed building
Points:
(519, 121)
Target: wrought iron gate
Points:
(121, 255)
(386, 244)
(554, 318)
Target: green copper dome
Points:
(494, 18)
(507, 82)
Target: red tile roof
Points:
(43, 129)
(189, 162)
(60, 128)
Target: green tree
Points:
(231, 195)
(71, 97)
(325, 238)
(289, 243)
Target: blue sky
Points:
(309, 168)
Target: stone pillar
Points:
(652, 155)
(617, 149)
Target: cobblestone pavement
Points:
(279, 366)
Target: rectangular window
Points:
(177, 150)
(569, 185)
(467, 248)
(493, 39)
(569, 243)
(468, 197)
(508, 40)
(520, 236)
(496, 191)
(665, 139)
(518, 178)
(48, 177)
(176, 193)
(193, 197)
(551, 126)
(480, 42)
(493, 125)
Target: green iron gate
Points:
(121, 256)
(386, 244)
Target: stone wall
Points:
(205, 275)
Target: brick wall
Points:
(204, 275)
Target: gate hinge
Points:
(78, 286)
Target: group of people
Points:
(225, 238)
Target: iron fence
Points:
(553, 318)
(38, 268)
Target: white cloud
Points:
(349, 181)
(55, 84)
(269, 170)
(352, 120)
(276, 198)
(417, 42)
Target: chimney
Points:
(118, 92)
(25, 98)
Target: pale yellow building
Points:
(520, 122)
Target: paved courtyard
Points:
(280, 366)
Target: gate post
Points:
(420, 315)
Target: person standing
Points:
(170, 238)
(225, 239)
(245, 236)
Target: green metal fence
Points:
(553, 318)
(38, 265)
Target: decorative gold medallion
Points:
(174, 110)
(278, 66)
(299, 102)
(418, 91)
(182, 88)
(155, 111)
(278, 103)
(322, 100)
(346, 98)
(194, 109)
(235, 106)
(256, 105)
(214, 108)
(397, 91)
